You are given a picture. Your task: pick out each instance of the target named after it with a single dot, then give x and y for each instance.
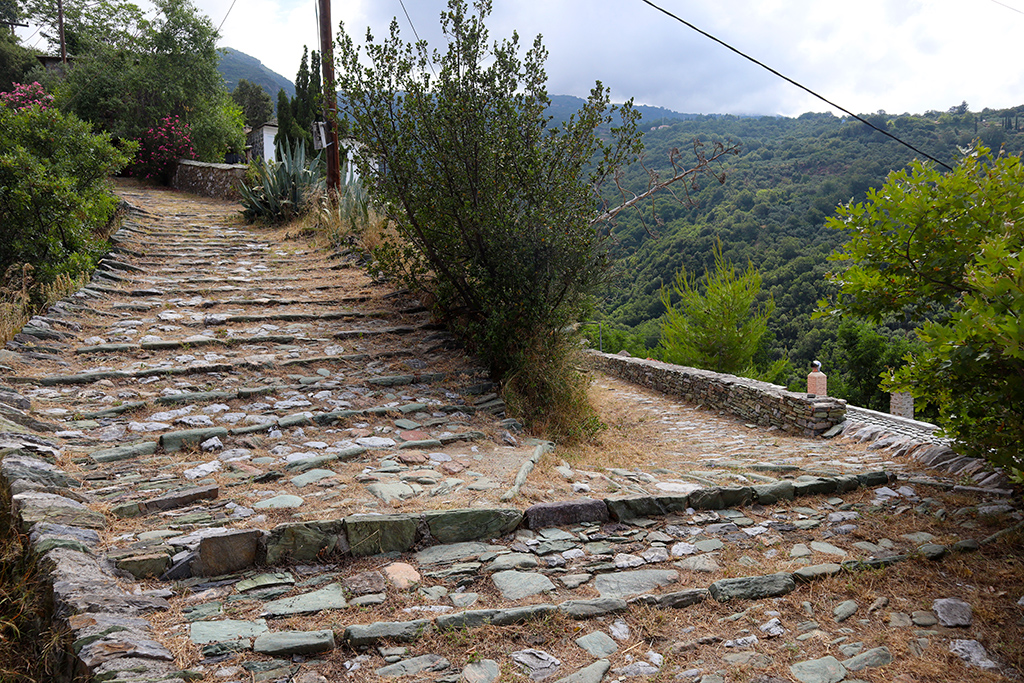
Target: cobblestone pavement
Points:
(246, 461)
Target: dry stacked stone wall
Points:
(758, 402)
(208, 180)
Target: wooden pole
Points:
(330, 98)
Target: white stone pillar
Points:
(902, 404)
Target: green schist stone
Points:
(407, 424)
(304, 541)
(106, 348)
(45, 545)
(202, 632)
(294, 642)
(297, 420)
(412, 408)
(310, 463)
(124, 452)
(375, 534)
(818, 571)
(249, 429)
(196, 397)
(455, 526)
(329, 597)
(284, 501)
(113, 412)
(207, 610)
(359, 635)
(265, 581)
(423, 444)
(391, 381)
(311, 477)
(464, 436)
(175, 441)
(65, 516)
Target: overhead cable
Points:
(802, 87)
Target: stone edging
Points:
(208, 180)
(759, 402)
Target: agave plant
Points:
(281, 187)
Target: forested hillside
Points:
(786, 180)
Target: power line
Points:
(430, 63)
(799, 85)
(225, 15)
(1009, 7)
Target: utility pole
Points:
(331, 99)
(60, 22)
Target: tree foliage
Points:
(717, 322)
(295, 116)
(947, 251)
(495, 207)
(130, 71)
(255, 103)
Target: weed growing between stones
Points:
(549, 392)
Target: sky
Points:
(893, 55)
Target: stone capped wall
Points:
(208, 180)
(758, 402)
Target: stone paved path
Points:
(221, 409)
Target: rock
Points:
(515, 585)
(202, 632)
(952, 612)
(455, 526)
(878, 656)
(484, 671)
(752, 587)
(587, 609)
(402, 575)
(589, 674)
(306, 541)
(536, 663)
(817, 571)
(375, 534)
(391, 492)
(565, 513)
(973, 652)
(844, 610)
(282, 502)
(923, 618)
(329, 597)
(416, 665)
(699, 563)
(598, 644)
(227, 553)
(629, 583)
(824, 670)
(359, 635)
(365, 583)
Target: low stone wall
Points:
(208, 180)
(758, 402)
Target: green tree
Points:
(15, 60)
(717, 323)
(494, 207)
(947, 251)
(305, 107)
(254, 102)
(130, 71)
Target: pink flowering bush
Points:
(160, 148)
(25, 96)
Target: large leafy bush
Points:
(54, 194)
(946, 250)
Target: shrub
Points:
(279, 190)
(161, 147)
(53, 191)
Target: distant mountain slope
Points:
(564, 106)
(235, 65)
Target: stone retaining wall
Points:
(758, 402)
(208, 180)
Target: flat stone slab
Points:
(282, 502)
(452, 552)
(222, 630)
(598, 644)
(416, 665)
(329, 597)
(752, 587)
(359, 635)
(287, 643)
(629, 583)
(518, 585)
(824, 670)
